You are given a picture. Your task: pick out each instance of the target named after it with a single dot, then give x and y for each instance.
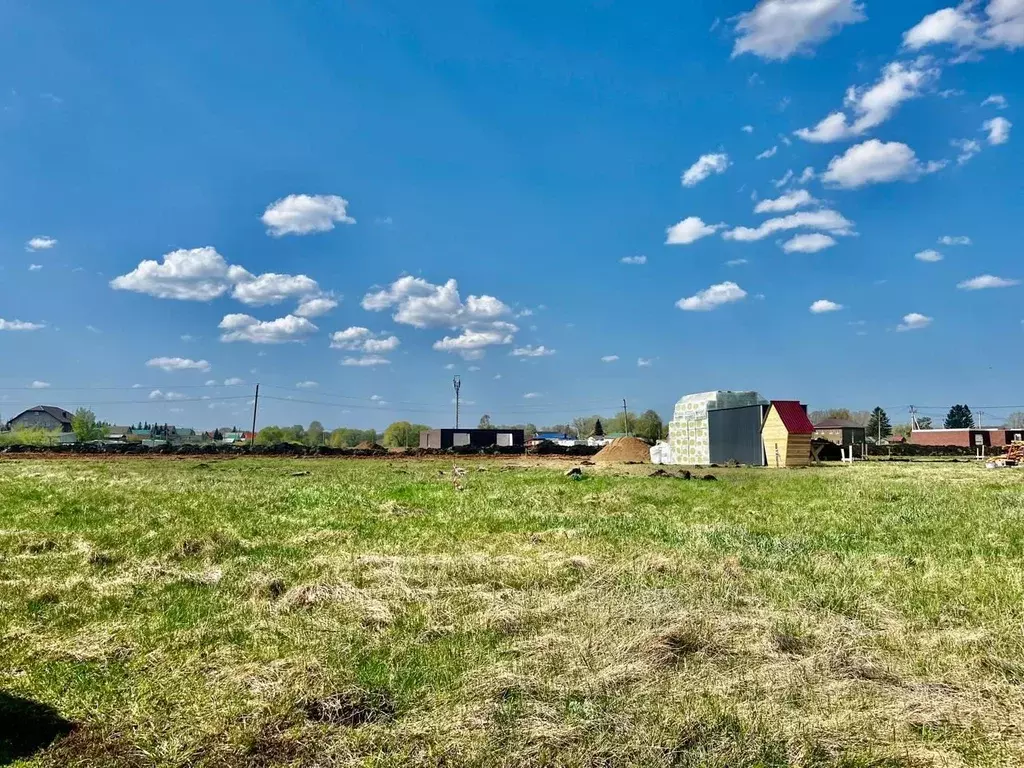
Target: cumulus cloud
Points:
(633, 260)
(316, 306)
(807, 175)
(998, 130)
(39, 385)
(238, 327)
(233, 382)
(644, 362)
(421, 304)
(196, 274)
(156, 394)
(954, 240)
(812, 243)
(40, 243)
(178, 364)
(982, 282)
(768, 153)
(704, 167)
(786, 178)
(610, 359)
(272, 288)
(874, 162)
(930, 255)
(914, 322)
(872, 106)
(968, 149)
(531, 395)
(778, 29)
(788, 202)
(34, 267)
(19, 325)
(822, 306)
(967, 28)
(825, 219)
(307, 384)
(996, 100)
(747, 129)
(712, 297)
(359, 339)
(305, 214)
(366, 361)
(531, 351)
(689, 231)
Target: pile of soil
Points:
(625, 449)
(366, 445)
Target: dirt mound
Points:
(623, 449)
(366, 445)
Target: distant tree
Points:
(959, 417)
(843, 414)
(530, 430)
(1015, 420)
(485, 422)
(621, 423)
(403, 434)
(879, 425)
(217, 436)
(84, 425)
(903, 430)
(598, 429)
(648, 426)
(270, 436)
(315, 434)
(924, 422)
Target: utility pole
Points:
(457, 383)
(255, 405)
(878, 420)
(625, 416)
(913, 419)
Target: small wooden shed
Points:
(786, 435)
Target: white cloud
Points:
(471, 344)
(39, 385)
(689, 231)
(768, 153)
(874, 162)
(40, 243)
(778, 29)
(747, 129)
(968, 149)
(212, 383)
(610, 359)
(914, 322)
(644, 362)
(930, 256)
(986, 281)
(736, 262)
(187, 338)
(788, 202)
(237, 327)
(359, 339)
(531, 395)
(825, 219)
(307, 385)
(812, 243)
(998, 130)
(19, 325)
(178, 364)
(197, 274)
(272, 288)
(305, 214)
(996, 100)
(954, 240)
(712, 297)
(233, 382)
(315, 306)
(633, 260)
(531, 351)
(704, 167)
(366, 361)
(156, 394)
(34, 267)
(474, 368)
(872, 106)
(822, 306)
(807, 175)
(964, 27)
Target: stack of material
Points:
(625, 450)
(1014, 453)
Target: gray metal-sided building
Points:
(48, 417)
(443, 439)
(735, 434)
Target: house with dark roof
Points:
(786, 434)
(840, 432)
(48, 417)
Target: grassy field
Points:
(339, 612)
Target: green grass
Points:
(383, 613)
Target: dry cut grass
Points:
(234, 613)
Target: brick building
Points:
(996, 437)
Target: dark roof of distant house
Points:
(552, 436)
(794, 417)
(58, 413)
(838, 424)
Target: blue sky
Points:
(188, 190)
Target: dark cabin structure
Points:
(840, 432)
(443, 439)
(48, 417)
(735, 434)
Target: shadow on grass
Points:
(27, 726)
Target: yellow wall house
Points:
(787, 435)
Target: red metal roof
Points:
(793, 416)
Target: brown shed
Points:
(786, 434)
